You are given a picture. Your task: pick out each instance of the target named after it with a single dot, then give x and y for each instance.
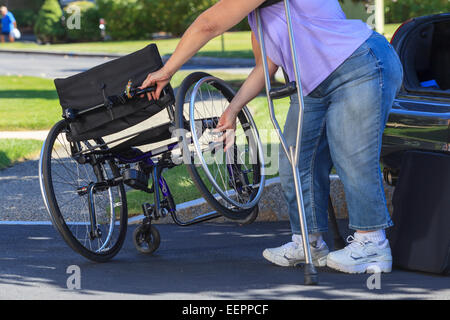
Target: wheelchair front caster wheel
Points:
(146, 239)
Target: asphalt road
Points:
(45, 66)
(53, 66)
(208, 261)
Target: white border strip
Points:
(21, 223)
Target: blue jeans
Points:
(344, 120)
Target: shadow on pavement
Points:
(209, 261)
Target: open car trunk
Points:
(424, 47)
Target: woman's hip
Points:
(374, 62)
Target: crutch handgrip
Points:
(284, 91)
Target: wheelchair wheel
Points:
(64, 184)
(231, 181)
(146, 239)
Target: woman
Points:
(350, 76)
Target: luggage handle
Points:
(111, 101)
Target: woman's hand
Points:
(159, 78)
(227, 125)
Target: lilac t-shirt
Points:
(324, 38)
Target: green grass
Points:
(389, 30)
(180, 184)
(31, 103)
(15, 150)
(178, 179)
(37, 107)
(27, 103)
(237, 45)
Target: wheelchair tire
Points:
(146, 239)
(221, 203)
(62, 180)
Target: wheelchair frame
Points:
(152, 163)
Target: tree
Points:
(49, 27)
(89, 17)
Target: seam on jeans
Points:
(380, 190)
(311, 173)
(379, 226)
(317, 230)
(311, 231)
(362, 51)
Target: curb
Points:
(272, 206)
(195, 61)
(195, 203)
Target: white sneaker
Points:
(362, 255)
(291, 253)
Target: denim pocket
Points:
(361, 51)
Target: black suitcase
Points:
(82, 92)
(420, 238)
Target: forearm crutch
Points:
(292, 152)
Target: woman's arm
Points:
(255, 81)
(249, 90)
(211, 23)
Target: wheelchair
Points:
(89, 160)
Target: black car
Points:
(420, 117)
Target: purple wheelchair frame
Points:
(159, 183)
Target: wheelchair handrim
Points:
(204, 165)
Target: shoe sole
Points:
(283, 262)
(370, 267)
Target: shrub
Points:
(89, 21)
(34, 5)
(26, 18)
(129, 19)
(242, 26)
(138, 19)
(48, 27)
(176, 16)
(401, 10)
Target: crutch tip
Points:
(311, 276)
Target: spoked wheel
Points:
(71, 193)
(231, 181)
(146, 239)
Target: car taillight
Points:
(398, 29)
